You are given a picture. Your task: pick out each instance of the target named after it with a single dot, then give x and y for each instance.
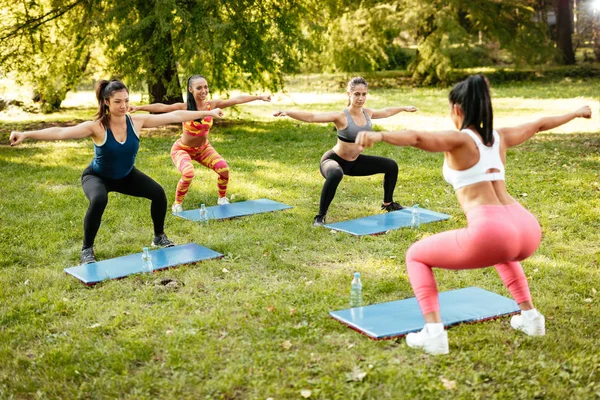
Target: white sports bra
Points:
(489, 158)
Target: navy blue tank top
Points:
(348, 134)
(114, 160)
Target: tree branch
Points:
(36, 22)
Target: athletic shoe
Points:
(222, 201)
(162, 241)
(176, 208)
(319, 220)
(87, 256)
(533, 326)
(393, 206)
(437, 344)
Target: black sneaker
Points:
(319, 220)
(162, 241)
(87, 256)
(393, 206)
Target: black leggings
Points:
(136, 184)
(333, 169)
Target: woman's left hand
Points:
(217, 113)
(410, 109)
(266, 97)
(368, 138)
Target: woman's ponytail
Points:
(473, 96)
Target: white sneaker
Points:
(222, 201)
(533, 326)
(176, 208)
(437, 344)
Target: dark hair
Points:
(473, 96)
(191, 102)
(104, 91)
(357, 80)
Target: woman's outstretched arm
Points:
(85, 129)
(239, 100)
(152, 120)
(429, 141)
(518, 134)
(306, 116)
(390, 111)
(158, 107)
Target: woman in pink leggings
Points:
(499, 232)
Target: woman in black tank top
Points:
(345, 158)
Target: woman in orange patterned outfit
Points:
(194, 144)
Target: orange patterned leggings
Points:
(207, 156)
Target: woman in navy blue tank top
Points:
(345, 158)
(116, 142)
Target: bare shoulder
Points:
(96, 126)
(215, 104)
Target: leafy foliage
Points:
(242, 43)
(47, 45)
(445, 29)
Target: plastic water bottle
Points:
(356, 291)
(415, 222)
(147, 265)
(203, 214)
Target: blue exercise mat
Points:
(398, 318)
(384, 222)
(235, 209)
(132, 264)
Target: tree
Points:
(564, 30)
(363, 35)
(245, 43)
(443, 28)
(357, 39)
(140, 45)
(47, 45)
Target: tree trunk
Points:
(162, 72)
(597, 40)
(564, 30)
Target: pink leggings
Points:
(498, 235)
(207, 156)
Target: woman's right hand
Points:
(368, 138)
(16, 138)
(584, 112)
(217, 113)
(280, 113)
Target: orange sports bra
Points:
(198, 128)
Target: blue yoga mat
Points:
(398, 318)
(235, 209)
(132, 264)
(384, 222)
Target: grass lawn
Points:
(255, 325)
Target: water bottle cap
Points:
(145, 249)
(357, 274)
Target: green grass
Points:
(255, 324)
